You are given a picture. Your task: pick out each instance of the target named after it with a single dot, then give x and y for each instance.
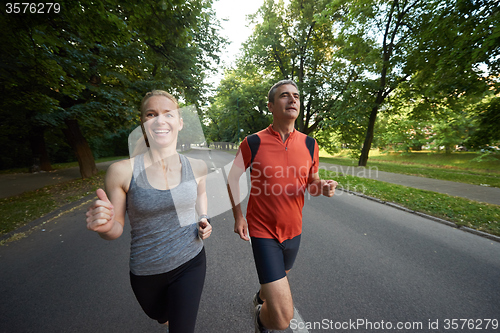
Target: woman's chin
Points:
(162, 144)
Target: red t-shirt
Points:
(279, 175)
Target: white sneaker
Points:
(256, 299)
(258, 328)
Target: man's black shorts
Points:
(273, 259)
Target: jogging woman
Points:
(164, 195)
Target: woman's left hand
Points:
(204, 229)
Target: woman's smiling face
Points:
(162, 121)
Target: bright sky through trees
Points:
(232, 15)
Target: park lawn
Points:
(461, 160)
(463, 212)
(457, 167)
(58, 166)
(19, 210)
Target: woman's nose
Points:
(161, 118)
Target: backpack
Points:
(254, 144)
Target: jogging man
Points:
(283, 164)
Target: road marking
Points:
(300, 322)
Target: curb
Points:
(50, 216)
(429, 217)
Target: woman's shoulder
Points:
(121, 171)
(124, 165)
(199, 167)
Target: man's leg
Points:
(277, 310)
(273, 261)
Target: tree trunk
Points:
(387, 47)
(81, 148)
(41, 161)
(363, 159)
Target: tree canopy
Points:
(355, 59)
(72, 80)
(84, 70)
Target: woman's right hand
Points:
(100, 216)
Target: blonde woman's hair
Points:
(157, 93)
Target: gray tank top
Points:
(164, 234)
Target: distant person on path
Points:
(162, 192)
(283, 164)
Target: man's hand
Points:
(241, 228)
(328, 187)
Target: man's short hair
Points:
(272, 91)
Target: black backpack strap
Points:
(254, 144)
(310, 144)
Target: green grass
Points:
(19, 210)
(75, 164)
(58, 166)
(457, 167)
(460, 160)
(463, 212)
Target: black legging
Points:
(173, 296)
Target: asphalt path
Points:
(359, 260)
(361, 265)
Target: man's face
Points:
(286, 103)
